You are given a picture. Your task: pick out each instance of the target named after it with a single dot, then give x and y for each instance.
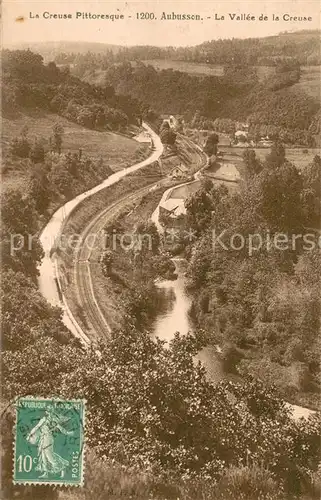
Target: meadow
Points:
(309, 81)
(300, 157)
(195, 69)
(186, 190)
(117, 150)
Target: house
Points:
(143, 137)
(242, 145)
(179, 172)
(264, 143)
(240, 133)
(173, 208)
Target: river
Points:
(175, 318)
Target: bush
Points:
(20, 146)
(111, 482)
(248, 483)
(164, 267)
(231, 358)
(86, 118)
(37, 152)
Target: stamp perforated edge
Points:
(53, 484)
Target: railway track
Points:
(97, 323)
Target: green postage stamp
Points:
(49, 441)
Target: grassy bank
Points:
(116, 151)
(112, 482)
(128, 276)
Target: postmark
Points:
(49, 441)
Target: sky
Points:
(20, 24)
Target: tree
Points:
(276, 158)
(59, 176)
(107, 262)
(58, 132)
(311, 195)
(37, 152)
(147, 238)
(26, 314)
(24, 65)
(86, 117)
(152, 407)
(252, 164)
(18, 212)
(199, 208)
(53, 73)
(242, 138)
(39, 188)
(9, 490)
(202, 207)
(196, 119)
(100, 119)
(279, 196)
(210, 147)
(20, 146)
(164, 135)
(164, 126)
(9, 97)
(73, 162)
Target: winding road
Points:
(49, 282)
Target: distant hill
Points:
(49, 50)
(280, 101)
(302, 45)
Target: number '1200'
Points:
(145, 15)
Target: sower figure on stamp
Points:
(42, 436)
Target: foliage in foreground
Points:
(152, 409)
(113, 482)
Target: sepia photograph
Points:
(160, 250)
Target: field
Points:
(294, 155)
(196, 69)
(225, 170)
(116, 150)
(185, 191)
(264, 72)
(98, 76)
(301, 157)
(309, 81)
